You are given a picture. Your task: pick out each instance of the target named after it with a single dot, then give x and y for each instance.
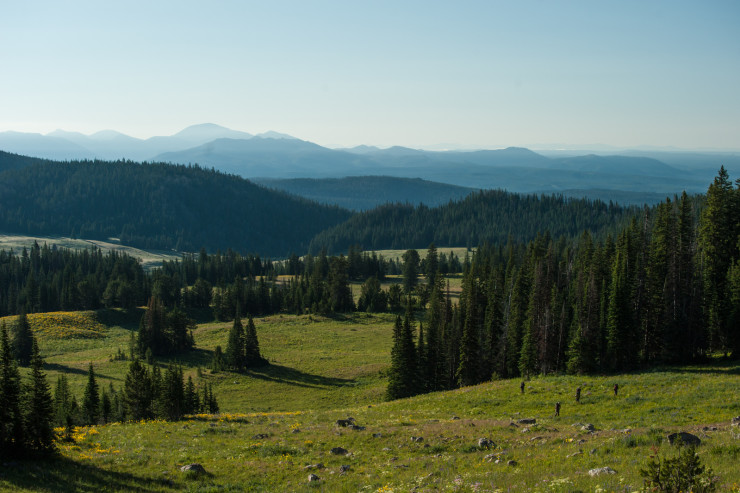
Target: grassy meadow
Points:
(278, 424)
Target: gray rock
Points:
(260, 436)
(455, 417)
(601, 470)
(736, 421)
(417, 439)
(574, 454)
(345, 422)
(377, 435)
(344, 468)
(313, 477)
(296, 430)
(311, 467)
(357, 428)
(339, 451)
(527, 421)
(588, 427)
(684, 438)
(486, 443)
(193, 468)
(512, 463)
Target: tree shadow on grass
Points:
(291, 376)
(76, 371)
(62, 474)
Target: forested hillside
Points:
(362, 193)
(491, 216)
(665, 289)
(155, 206)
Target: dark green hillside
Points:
(487, 216)
(156, 206)
(366, 192)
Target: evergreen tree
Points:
(340, 295)
(192, 401)
(410, 271)
(91, 398)
(22, 340)
(468, 370)
(11, 419)
(39, 410)
(137, 392)
(173, 394)
(718, 235)
(218, 362)
(152, 328)
(106, 406)
(65, 405)
(402, 377)
(253, 358)
(235, 356)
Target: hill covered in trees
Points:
(491, 216)
(155, 206)
(367, 192)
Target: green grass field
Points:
(278, 421)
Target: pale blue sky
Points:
(344, 73)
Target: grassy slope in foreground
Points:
(328, 369)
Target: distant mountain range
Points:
(272, 155)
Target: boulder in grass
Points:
(683, 438)
(194, 468)
(339, 451)
(588, 427)
(313, 477)
(527, 421)
(736, 421)
(344, 468)
(486, 443)
(417, 439)
(601, 470)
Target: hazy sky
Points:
(343, 73)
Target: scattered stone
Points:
(377, 435)
(357, 427)
(588, 427)
(574, 454)
(527, 421)
(260, 436)
(709, 428)
(593, 451)
(311, 467)
(536, 438)
(345, 422)
(313, 477)
(344, 468)
(339, 451)
(455, 417)
(514, 425)
(685, 438)
(193, 468)
(525, 429)
(296, 430)
(735, 421)
(486, 443)
(417, 439)
(601, 470)
(386, 449)
(512, 463)
(581, 441)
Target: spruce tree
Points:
(253, 358)
(192, 401)
(11, 419)
(22, 340)
(65, 405)
(235, 349)
(91, 398)
(39, 409)
(137, 392)
(218, 363)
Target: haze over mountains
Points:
(632, 176)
